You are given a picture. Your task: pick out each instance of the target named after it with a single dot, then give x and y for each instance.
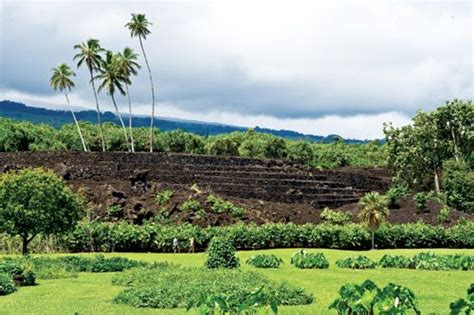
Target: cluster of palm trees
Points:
(113, 72)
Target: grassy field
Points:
(92, 293)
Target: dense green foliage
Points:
(123, 236)
(458, 181)
(256, 302)
(221, 254)
(368, 298)
(170, 286)
(7, 285)
(429, 261)
(419, 151)
(335, 217)
(357, 262)
(99, 263)
(304, 260)
(163, 197)
(219, 205)
(34, 201)
(20, 273)
(24, 136)
(464, 306)
(265, 261)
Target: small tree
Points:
(221, 254)
(373, 212)
(35, 201)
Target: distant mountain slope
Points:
(57, 118)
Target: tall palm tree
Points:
(89, 54)
(128, 66)
(112, 79)
(138, 27)
(373, 212)
(61, 80)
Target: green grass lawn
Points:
(92, 293)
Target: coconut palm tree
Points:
(112, 79)
(61, 80)
(89, 54)
(373, 212)
(139, 27)
(128, 66)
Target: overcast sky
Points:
(319, 67)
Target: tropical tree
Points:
(89, 54)
(139, 27)
(128, 66)
(373, 212)
(61, 80)
(35, 201)
(112, 79)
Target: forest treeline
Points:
(25, 136)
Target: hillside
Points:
(57, 118)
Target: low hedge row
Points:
(153, 237)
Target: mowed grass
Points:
(92, 293)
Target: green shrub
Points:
(256, 302)
(420, 200)
(20, 274)
(171, 286)
(335, 217)
(7, 285)
(99, 263)
(357, 262)
(394, 194)
(163, 197)
(265, 261)
(219, 205)
(221, 254)
(302, 259)
(443, 215)
(114, 211)
(125, 237)
(396, 261)
(458, 182)
(464, 306)
(367, 298)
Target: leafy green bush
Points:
(429, 261)
(125, 237)
(396, 261)
(443, 215)
(114, 211)
(219, 205)
(335, 217)
(7, 285)
(420, 200)
(464, 306)
(394, 194)
(221, 254)
(357, 262)
(302, 259)
(170, 286)
(458, 182)
(367, 298)
(99, 263)
(163, 197)
(265, 261)
(20, 274)
(256, 302)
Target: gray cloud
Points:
(276, 59)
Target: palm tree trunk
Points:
(436, 180)
(121, 121)
(99, 122)
(373, 239)
(130, 118)
(77, 124)
(152, 95)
